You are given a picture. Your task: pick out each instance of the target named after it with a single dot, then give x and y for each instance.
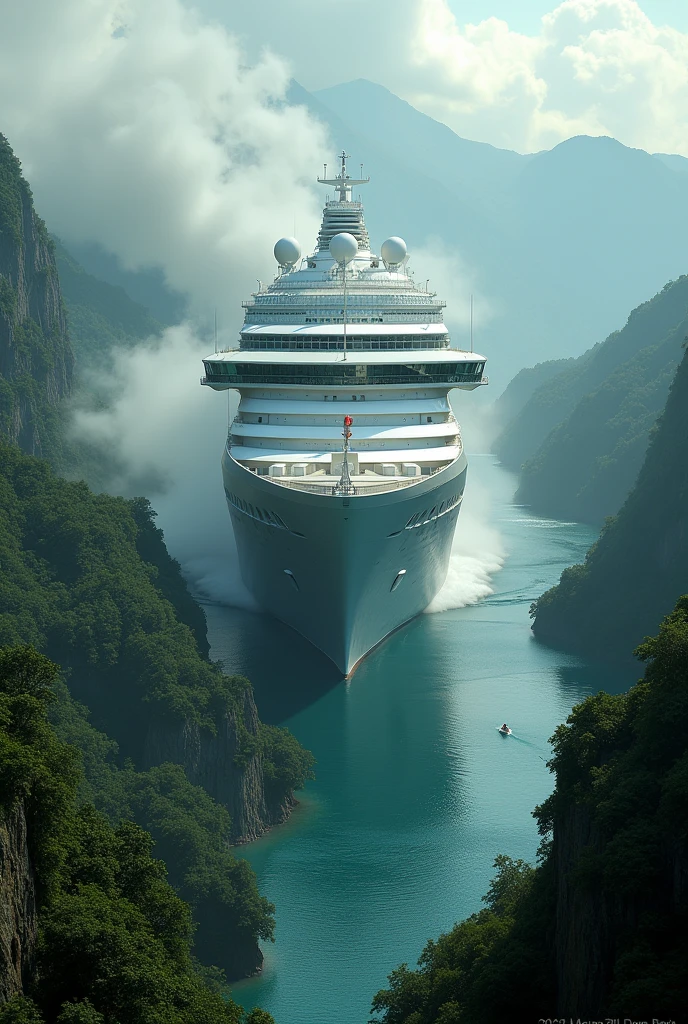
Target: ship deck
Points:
(364, 483)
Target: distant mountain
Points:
(101, 316)
(638, 569)
(419, 142)
(559, 244)
(519, 390)
(672, 160)
(146, 287)
(399, 200)
(582, 435)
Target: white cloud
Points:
(140, 127)
(162, 435)
(598, 67)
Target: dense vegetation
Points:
(580, 439)
(520, 389)
(600, 927)
(639, 566)
(87, 580)
(114, 940)
(192, 834)
(76, 586)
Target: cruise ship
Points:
(344, 468)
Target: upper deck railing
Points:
(420, 300)
(353, 282)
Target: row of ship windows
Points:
(311, 421)
(357, 345)
(339, 320)
(261, 514)
(421, 518)
(272, 519)
(337, 370)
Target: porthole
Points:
(397, 580)
(290, 574)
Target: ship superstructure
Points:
(344, 468)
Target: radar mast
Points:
(343, 183)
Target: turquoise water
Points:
(416, 791)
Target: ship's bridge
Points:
(335, 337)
(442, 367)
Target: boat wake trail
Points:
(477, 554)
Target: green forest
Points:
(639, 566)
(88, 581)
(114, 940)
(601, 923)
(142, 910)
(579, 438)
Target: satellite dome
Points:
(287, 251)
(394, 251)
(343, 247)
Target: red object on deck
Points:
(348, 421)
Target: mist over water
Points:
(161, 434)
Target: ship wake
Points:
(477, 555)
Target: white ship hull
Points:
(344, 469)
(329, 572)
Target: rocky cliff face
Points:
(17, 905)
(227, 764)
(633, 576)
(580, 438)
(36, 359)
(593, 926)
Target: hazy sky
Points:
(525, 15)
(157, 128)
(522, 74)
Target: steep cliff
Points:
(36, 359)
(78, 583)
(17, 904)
(580, 439)
(227, 761)
(192, 834)
(114, 941)
(619, 840)
(639, 566)
(518, 393)
(86, 579)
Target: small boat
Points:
(504, 729)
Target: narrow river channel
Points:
(416, 791)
